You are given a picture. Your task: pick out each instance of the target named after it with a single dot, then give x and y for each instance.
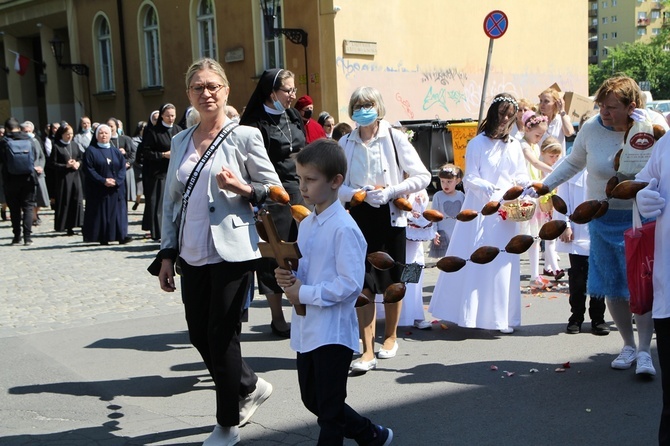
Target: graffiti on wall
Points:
(446, 93)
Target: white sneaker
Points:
(423, 325)
(223, 436)
(625, 359)
(508, 330)
(249, 404)
(644, 365)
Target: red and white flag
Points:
(21, 64)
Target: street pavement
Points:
(93, 353)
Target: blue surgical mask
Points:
(278, 106)
(104, 145)
(365, 117)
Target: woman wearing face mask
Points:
(155, 159)
(377, 157)
(269, 110)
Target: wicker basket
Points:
(519, 210)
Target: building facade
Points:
(612, 22)
(124, 58)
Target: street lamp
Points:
(57, 50)
(295, 35)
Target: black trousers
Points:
(20, 195)
(577, 276)
(322, 376)
(214, 297)
(662, 327)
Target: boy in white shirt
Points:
(328, 281)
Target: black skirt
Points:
(375, 224)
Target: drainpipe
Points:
(124, 66)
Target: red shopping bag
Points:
(639, 244)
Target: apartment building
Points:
(612, 22)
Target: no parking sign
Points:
(495, 25)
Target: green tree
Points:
(641, 61)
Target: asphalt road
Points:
(93, 353)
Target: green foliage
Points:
(641, 61)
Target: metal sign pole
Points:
(486, 81)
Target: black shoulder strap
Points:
(395, 149)
(195, 173)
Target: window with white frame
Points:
(105, 61)
(604, 4)
(614, 19)
(642, 31)
(604, 20)
(655, 14)
(614, 3)
(151, 47)
(273, 45)
(206, 31)
(614, 34)
(604, 36)
(656, 31)
(642, 15)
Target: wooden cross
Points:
(283, 252)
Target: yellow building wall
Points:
(431, 55)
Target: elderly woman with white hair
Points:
(106, 213)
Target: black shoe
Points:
(104, 243)
(281, 333)
(559, 274)
(382, 436)
(28, 242)
(573, 328)
(70, 232)
(600, 329)
(3, 214)
(126, 241)
(16, 241)
(136, 205)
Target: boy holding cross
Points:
(328, 281)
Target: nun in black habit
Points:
(269, 110)
(155, 155)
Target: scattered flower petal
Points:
(408, 333)
(588, 410)
(509, 373)
(444, 326)
(528, 306)
(494, 367)
(566, 365)
(534, 370)
(559, 370)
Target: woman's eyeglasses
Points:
(200, 89)
(289, 90)
(366, 106)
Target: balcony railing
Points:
(593, 13)
(642, 22)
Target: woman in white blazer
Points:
(215, 242)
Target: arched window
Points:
(206, 30)
(273, 47)
(152, 48)
(105, 61)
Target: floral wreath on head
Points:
(535, 120)
(506, 99)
